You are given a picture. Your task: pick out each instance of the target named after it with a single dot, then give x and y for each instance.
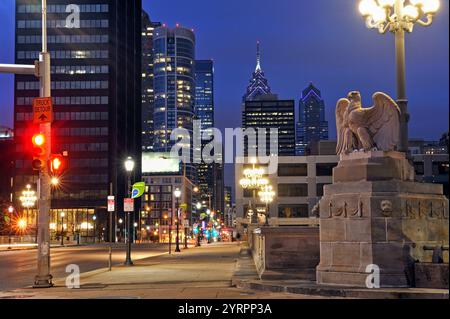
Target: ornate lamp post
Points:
(253, 180)
(129, 167)
(266, 195)
(177, 194)
(398, 18)
(28, 200)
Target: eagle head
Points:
(355, 98)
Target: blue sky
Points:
(322, 41)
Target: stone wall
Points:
(286, 252)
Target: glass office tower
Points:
(174, 88)
(312, 126)
(96, 90)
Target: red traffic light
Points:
(39, 151)
(38, 140)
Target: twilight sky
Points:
(322, 41)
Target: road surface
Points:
(18, 268)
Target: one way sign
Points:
(43, 110)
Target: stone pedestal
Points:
(375, 214)
(282, 253)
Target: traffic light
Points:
(57, 164)
(39, 151)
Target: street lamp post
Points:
(94, 219)
(177, 194)
(129, 167)
(266, 195)
(253, 180)
(398, 18)
(62, 227)
(28, 200)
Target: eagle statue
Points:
(366, 129)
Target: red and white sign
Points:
(111, 204)
(128, 205)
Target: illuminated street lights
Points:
(394, 16)
(177, 194)
(28, 200)
(129, 167)
(253, 180)
(266, 195)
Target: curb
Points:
(357, 293)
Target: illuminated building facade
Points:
(174, 85)
(209, 176)
(148, 95)
(312, 126)
(266, 112)
(258, 84)
(96, 90)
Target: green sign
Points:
(138, 190)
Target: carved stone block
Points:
(374, 213)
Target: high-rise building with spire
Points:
(263, 110)
(258, 84)
(312, 126)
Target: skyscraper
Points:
(174, 85)
(204, 112)
(267, 112)
(148, 95)
(312, 126)
(96, 90)
(258, 83)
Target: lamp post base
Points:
(43, 282)
(128, 263)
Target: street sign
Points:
(138, 190)
(43, 110)
(128, 205)
(111, 204)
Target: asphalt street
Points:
(18, 268)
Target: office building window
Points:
(293, 190)
(293, 211)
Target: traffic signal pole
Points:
(41, 69)
(43, 278)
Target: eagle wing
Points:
(383, 122)
(341, 107)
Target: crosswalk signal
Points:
(57, 164)
(39, 151)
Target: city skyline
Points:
(153, 155)
(285, 56)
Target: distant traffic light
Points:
(39, 151)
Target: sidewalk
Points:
(197, 273)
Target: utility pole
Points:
(41, 69)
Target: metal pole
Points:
(43, 278)
(170, 231)
(62, 230)
(177, 248)
(401, 79)
(110, 231)
(128, 261)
